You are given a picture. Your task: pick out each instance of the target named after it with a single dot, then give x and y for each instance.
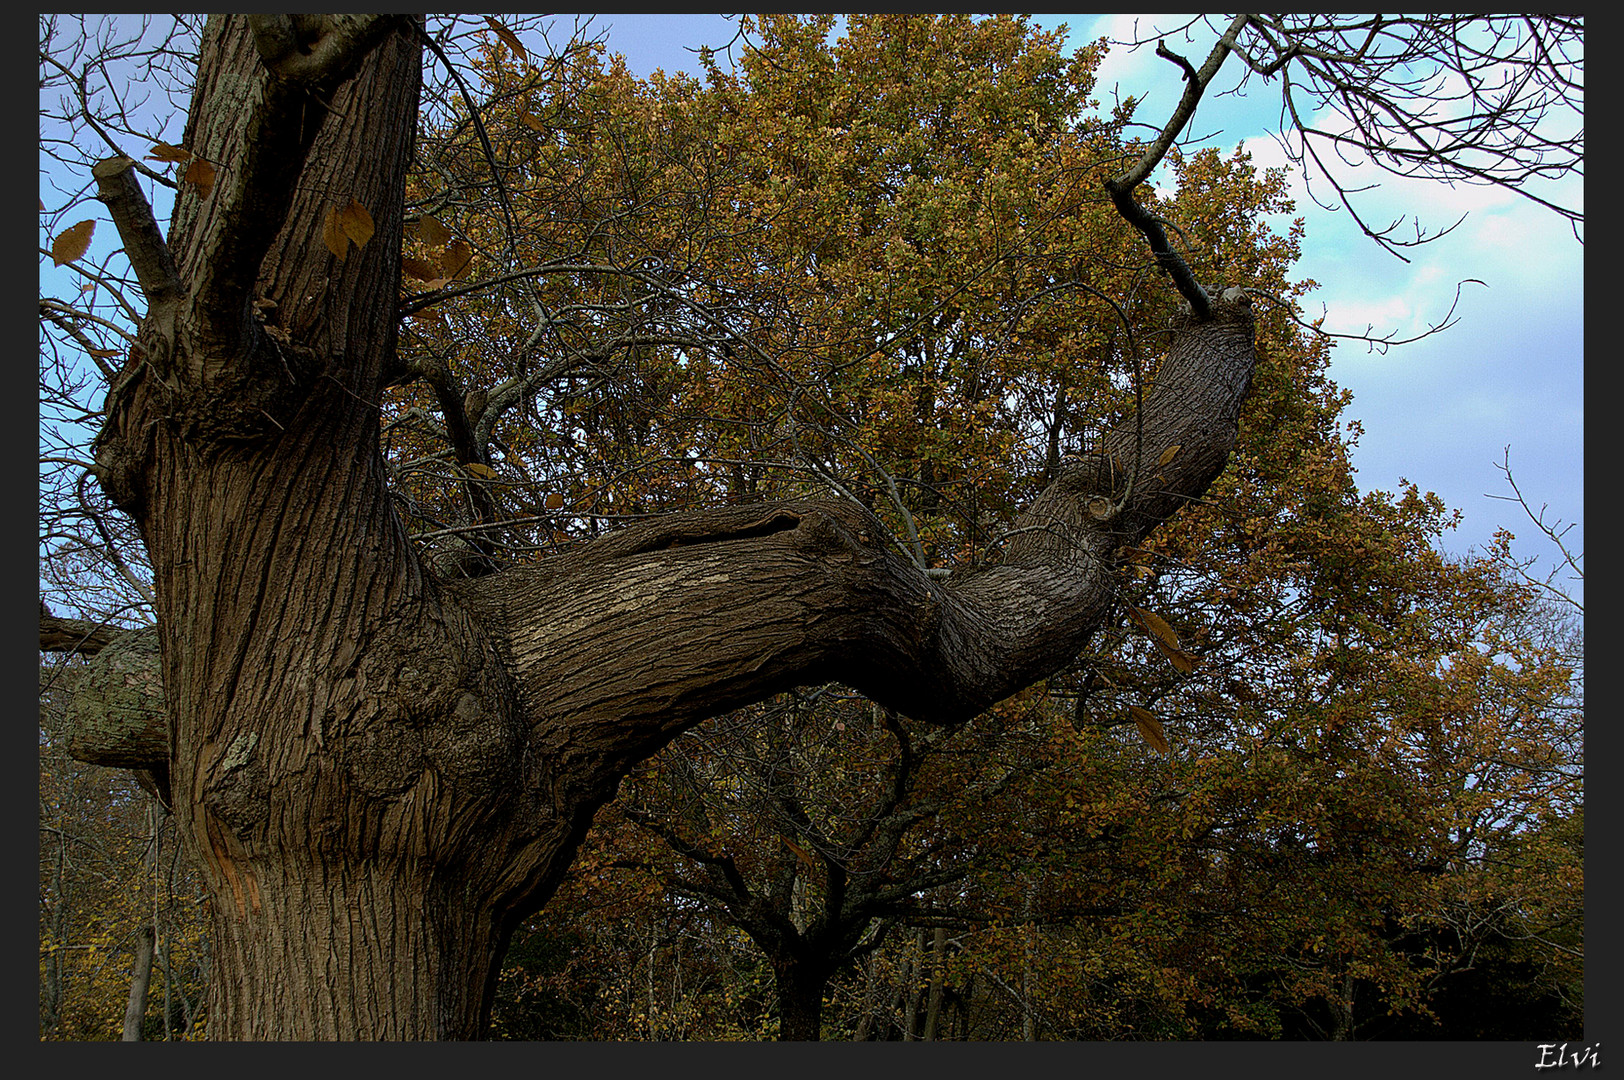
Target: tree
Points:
(121, 924)
(381, 771)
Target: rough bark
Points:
(380, 774)
(140, 977)
(938, 960)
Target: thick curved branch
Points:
(620, 645)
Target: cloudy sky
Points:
(1441, 412)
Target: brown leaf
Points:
(104, 354)
(421, 269)
(165, 152)
(332, 234)
(356, 223)
(553, 501)
(1150, 729)
(509, 38)
(456, 258)
(437, 284)
(1156, 625)
(200, 174)
(1169, 454)
(532, 121)
(485, 472)
(1241, 691)
(433, 233)
(1182, 661)
(72, 243)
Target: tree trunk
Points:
(800, 1001)
(871, 1000)
(140, 977)
(910, 1011)
(938, 962)
(379, 773)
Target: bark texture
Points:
(380, 773)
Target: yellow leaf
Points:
(356, 223)
(332, 234)
(200, 174)
(1169, 454)
(1156, 625)
(483, 471)
(553, 501)
(433, 233)
(1150, 728)
(509, 38)
(165, 152)
(72, 243)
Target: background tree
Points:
(118, 904)
(366, 735)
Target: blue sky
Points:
(1441, 412)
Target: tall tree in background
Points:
(381, 770)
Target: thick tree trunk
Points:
(380, 774)
(800, 1001)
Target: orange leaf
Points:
(509, 38)
(200, 174)
(800, 852)
(1150, 728)
(456, 258)
(72, 243)
(356, 223)
(165, 152)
